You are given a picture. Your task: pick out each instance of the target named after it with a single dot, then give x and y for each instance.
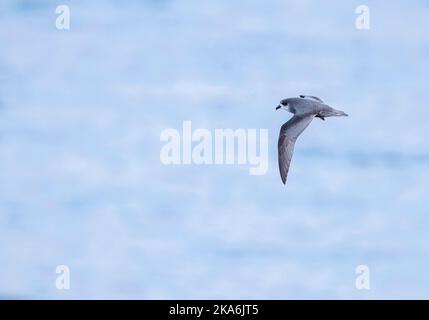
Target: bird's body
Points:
(304, 108)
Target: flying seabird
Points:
(304, 108)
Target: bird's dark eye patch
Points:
(283, 103)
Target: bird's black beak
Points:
(278, 107)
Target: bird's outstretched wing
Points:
(311, 97)
(289, 132)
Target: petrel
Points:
(304, 108)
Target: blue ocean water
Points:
(82, 184)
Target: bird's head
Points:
(285, 104)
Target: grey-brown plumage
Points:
(304, 108)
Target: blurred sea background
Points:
(82, 185)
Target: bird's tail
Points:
(333, 113)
